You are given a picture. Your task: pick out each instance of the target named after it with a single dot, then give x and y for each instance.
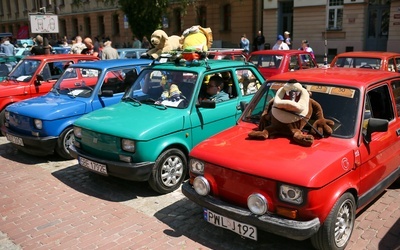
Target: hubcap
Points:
(171, 171)
(68, 140)
(344, 223)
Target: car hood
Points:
(134, 121)
(10, 88)
(49, 107)
(279, 158)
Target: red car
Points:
(281, 187)
(386, 61)
(34, 76)
(227, 54)
(273, 62)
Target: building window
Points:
(335, 15)
(226, 15)
(202, 16)
(100, 21)
(1, 9)
(8, 6)
(178, 21)
(88, 30)
(115, 24)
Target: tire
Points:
(2, 119)
(64, 140)
(169, 171)
(336, 231)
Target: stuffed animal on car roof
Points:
(163, 44)
(197, 38)
(288, 113)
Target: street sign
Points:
(43, 23)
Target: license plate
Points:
(95, 166)
(242, 229)
(15, 140)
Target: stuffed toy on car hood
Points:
(288, 113)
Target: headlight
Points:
(196, 166)
(201, 185)
(257, 204)
(38, 123)
(77, 132)
(291, 194)
(128, 145)
(7, 115)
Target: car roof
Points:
(378, 54)
(203, 65)
(60, 56)
(103, 64)
(225, 51)
(349, 77)
(279, 52)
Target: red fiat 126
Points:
(299, 192)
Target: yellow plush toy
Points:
(196, 38)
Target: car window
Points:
(359, 62)
(24, 70)
(396, 93)
(379, 103)
(391, 65)
(264, 61)
(328, 96)
(164, 87)
(248, 83)
(307, 61)
(398, 64)
(294, 63)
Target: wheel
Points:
(2, 118)
(366, 66)
(336, 231)
(169, 171)
(64, 140)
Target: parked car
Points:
(130, 53)
(34, 76)
(144, 138)
(60, 50)
(273, 62)
(278, 186)
(82, 88)
(387, 61)
(227, 54)
(6, 65)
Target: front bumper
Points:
(129, 171)
(297, 230)
(40, 146)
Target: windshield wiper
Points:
(130, 98)
(11, 78)
(156, 103)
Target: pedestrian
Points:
(90, 49)
(77, 45)
(306, 47)
(136, 43)
(288, 40)
(245, 44)
(145, 43)
(6, 47)
(259, 41)
(38, 48)
(108, 52)
(280, 45)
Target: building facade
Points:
(330, 26)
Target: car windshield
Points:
(339, 104)
(266, 61)
(24, 70)
(359, 62)
(167, 88)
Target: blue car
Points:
(43, 125)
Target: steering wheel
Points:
(336, 121)
(366, 66)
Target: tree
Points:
(144, 16)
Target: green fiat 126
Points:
(149, 134)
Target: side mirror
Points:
(243, 105)
(39, 79)
(206, 104)
(375, 125)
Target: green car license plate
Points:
(94, 166)
(242, 229)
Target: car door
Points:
(43, 86)
(206, 122)
(381, 156)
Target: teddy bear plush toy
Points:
(196, 38)
(163, 44)
(288, 113)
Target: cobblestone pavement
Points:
(48, 203)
